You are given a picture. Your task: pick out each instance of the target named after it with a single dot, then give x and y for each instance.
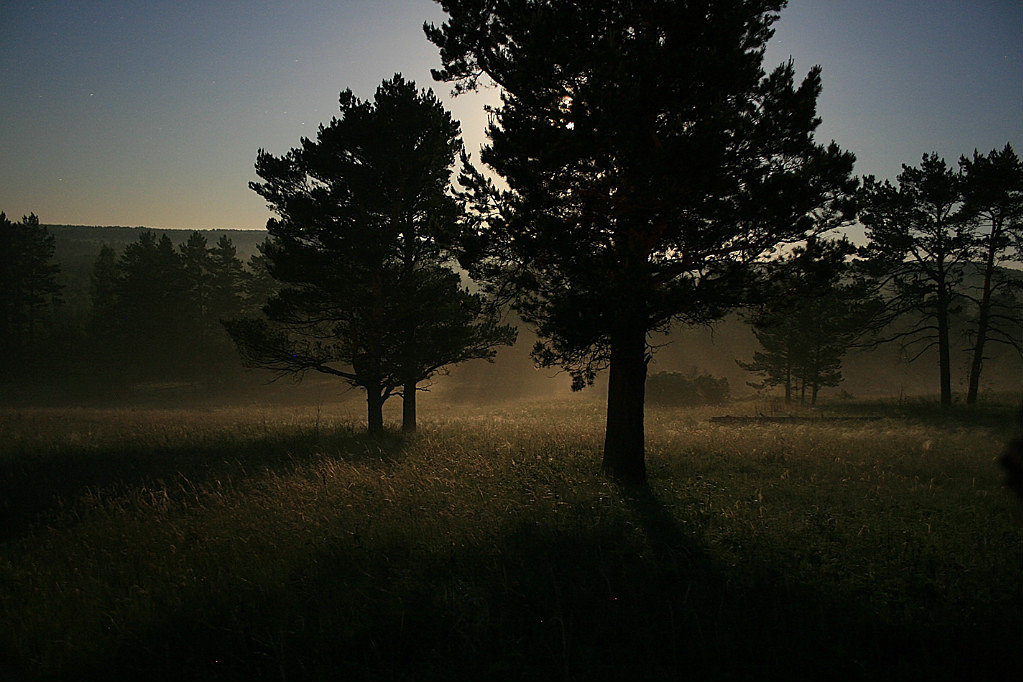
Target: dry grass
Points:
(255, 544)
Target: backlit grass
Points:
(255, 544)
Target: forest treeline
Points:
(117, 306)
(148, 311)
(153, 311)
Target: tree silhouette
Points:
(152, 306)
(359, 249)
(649, 162)
(815, 311)
(156, 310)
(103, 282)
(228, 281)
(104, 324)
(258, 285)
(920, 242)
(993, 198)
(196, 294)
(457, 327)
(28, 280)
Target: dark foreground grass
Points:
(242, 545)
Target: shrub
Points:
(676, 388)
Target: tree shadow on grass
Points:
(929, 412)
(635, 598)
(766, 625)
(34, 486)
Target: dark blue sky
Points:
(150, 113)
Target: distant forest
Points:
(77, 247)
(72, 352)
(95, 311)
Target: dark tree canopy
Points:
(920, 242)
(104, 324)
(228, 280)
(156, 309)
(359, 248)
(28, 286)
(992, 187)
(152, 305)
(648, 161)
(196, 295)
(103, 284)
(815, 310)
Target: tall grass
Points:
(249, 544)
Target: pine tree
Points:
(814, 313)
(105, 329)
(359, 249)
(197, 330)
(228, 281)
(103, 283)
(152, 307)
(649, 162)
(920, 243)
(993, 201)
(29, 284)
(258, 284)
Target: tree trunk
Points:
(944, 356)
(408, 407)
(983, 317)
(374, 391)
(624, 444)
(375, 407)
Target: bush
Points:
(676, 388)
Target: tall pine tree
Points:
(993, 201)
(152, 308)
(359, 250)
(816, 308)
(920, 243)
(197, 328)
(28, 281)
(228, 281)
(648, 160)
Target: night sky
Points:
(151, 113)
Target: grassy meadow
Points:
(284, 544)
